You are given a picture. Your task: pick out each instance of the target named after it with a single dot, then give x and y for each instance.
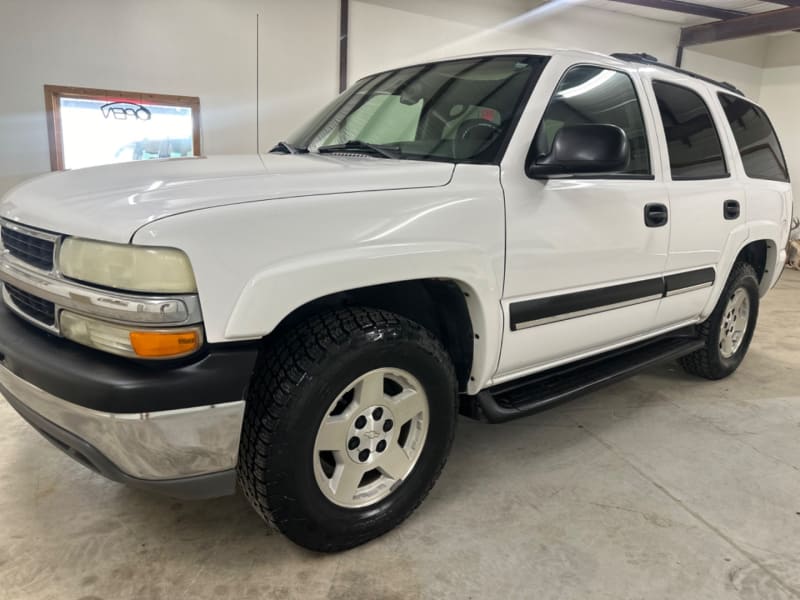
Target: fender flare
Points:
(273, 294)
(756, 233)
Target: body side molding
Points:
(540, 311)
(688, 281)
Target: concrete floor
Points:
(663, 486)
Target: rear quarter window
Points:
(758, 145)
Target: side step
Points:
(537, 392)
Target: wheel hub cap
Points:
(371, 437)
(370, 434)
(733, 327)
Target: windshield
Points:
(456, 111)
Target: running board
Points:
(537, 392)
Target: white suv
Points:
(486, 235)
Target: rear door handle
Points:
(655, 214)
(731, 210)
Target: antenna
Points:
(258, 128)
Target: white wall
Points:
(386, 33)
(207, 48)
(740, 62)
(421, 29)
(780, 95)
(204, 48)
(299, 63)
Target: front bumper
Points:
(170, 429)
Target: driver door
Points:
(584, 269)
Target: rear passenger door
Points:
(707, 200)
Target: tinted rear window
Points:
(758, 145)
(693, 143)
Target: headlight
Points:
(125, 267)
(133, 343)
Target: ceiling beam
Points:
(784, 2)
(774, 21)
(687, 8)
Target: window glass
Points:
(587, 95)
(758, 145)
(382, 117)
(96, 127)
(96, 132)
(459, 110)
(693, 143)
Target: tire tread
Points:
(703, 362)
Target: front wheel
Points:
(728, 330)
(349, 421)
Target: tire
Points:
(299, 384)
(713, 361)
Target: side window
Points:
(588, 95)
(758, 145)
(693, 143)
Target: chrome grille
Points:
(31, 248)
(39, 310)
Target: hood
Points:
(112, 202)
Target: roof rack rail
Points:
(649, 59)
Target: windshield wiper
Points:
(359, 146)
(287, 148)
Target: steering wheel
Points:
(479, 130)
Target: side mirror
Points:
(587, 148)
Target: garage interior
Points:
(662, 486)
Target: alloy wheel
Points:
(733, 327)
(371, 438)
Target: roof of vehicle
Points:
(615, 59)
(648, 59)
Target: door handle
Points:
(731, 209)
(655, 214)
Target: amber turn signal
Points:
(161, 344)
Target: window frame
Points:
(726, 160)
(52, 102)
(599, 176)
(788, 179)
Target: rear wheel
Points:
(349, 421)
(729, 329)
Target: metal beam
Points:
(687, 8)
(784, 3)
(344, 32)
(774, 21)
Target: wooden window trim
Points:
(52, 102)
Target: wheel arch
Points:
(761, 253)
(762, 256)
(446, 307)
